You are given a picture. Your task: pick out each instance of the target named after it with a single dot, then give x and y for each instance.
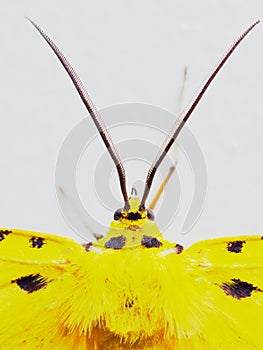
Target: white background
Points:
(132, 51)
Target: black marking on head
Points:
(116, 242)
(133, 216)
(4, 233)
(150, 214)
(117, 215)
(31, 283)
(235, 246)
(178, 249)
(150, 242)
(37, 242)
(238, 289)
(87, 246)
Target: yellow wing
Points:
(53, 293)
(222, 297)
(37, 280)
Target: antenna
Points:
(92, 111)
(181, 120)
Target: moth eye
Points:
(150, 214)
(118, 214)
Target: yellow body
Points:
(57, 294)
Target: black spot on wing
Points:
(235, 246)
(150, 242)
(31, 283)
(239, 289)
(3, 234)
(36, 242)
(116, 242)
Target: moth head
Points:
(133, 213)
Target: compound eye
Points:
(118, 214)
(150, 214)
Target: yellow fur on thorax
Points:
(146, 299)
(131, 299)
(131, 302)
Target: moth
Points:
(131, 289)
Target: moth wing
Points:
(227, 292)
(38, 275)
(243, 251)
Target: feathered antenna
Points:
(93, 113)
(183, 119)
